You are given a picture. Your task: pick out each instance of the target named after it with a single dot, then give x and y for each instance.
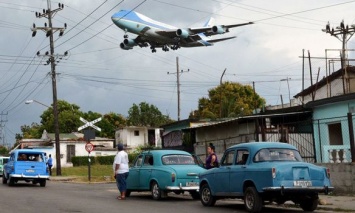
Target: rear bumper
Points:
(183, 188)
(321, 189)
(22, 176)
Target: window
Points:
(139, 161)
(228, 158)
(70, 152)
(335, 134)
(136, 133)
(242, 157)
(148, 160)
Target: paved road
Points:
(78, 197)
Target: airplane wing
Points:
(217, 29)
(220, 39)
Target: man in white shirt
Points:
(121, 171)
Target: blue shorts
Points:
(121, 181)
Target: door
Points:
(221, 181)
(133, 177)
(237, 174)
(146, 172)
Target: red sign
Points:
(89, 147)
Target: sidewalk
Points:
(337, 203)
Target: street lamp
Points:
(31, 101)
(288, 85)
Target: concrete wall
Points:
(342, 176)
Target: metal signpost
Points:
(89, 147)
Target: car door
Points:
(146, 172)
(237, 173)
(221, 181)
(133, 177)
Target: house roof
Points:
(331, 100)
(251, 117)
(324, 81)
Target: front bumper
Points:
(22, 176)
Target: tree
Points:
(69, 121)
(228, 100)
(68, 118)
(109, 123)
(146, 115)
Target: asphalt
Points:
(331, 203)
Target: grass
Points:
(98, 173)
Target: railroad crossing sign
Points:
(91, 123)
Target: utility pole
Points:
(178, 73)
(343, 33)
(49, 14)
(220, 100)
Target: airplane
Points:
(160, 35)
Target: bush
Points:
(101, 160)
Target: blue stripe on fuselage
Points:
(129, 19)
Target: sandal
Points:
(121, 198)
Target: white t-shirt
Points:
(121, 158)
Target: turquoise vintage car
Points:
(164, 171)
(3, 161)
(264, 172)
(26, 165)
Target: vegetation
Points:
(228, 100)
(98, 173)
(146, 115)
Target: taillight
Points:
(327, 171)
(172, 177)
(273, 171)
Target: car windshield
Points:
(273, 154)
(178, 160)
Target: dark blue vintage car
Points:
(264, 172)
(26, 165)
(164, 171)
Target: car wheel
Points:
(309, 205)
(4, 180)
(156, 192)
(206, 196)
(252, 200)
(42, 183)
(11, 182)
(195, 195)
(128, 193)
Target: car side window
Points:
(242, 157)
(228, 158)
(148, 160)
(139, 161)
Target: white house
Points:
(71, 144)
(134, 136)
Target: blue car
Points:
(26, 165)
(265, 172)
(164, 171)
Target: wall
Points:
(342, 176)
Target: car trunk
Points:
(299, 171)
(30, 169)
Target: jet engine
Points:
(128, 44)
(182, 33)
(218, 29)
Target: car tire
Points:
(11, 182)
(4, 180)
(309, 205)
(206, 196)
(195, 195)
(42, 183)
(252, 200)
(156, 192)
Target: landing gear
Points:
(153, 49)
(165, 48)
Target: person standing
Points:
(211, 160)
(121, 171)
(50, 164)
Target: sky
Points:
(98, 76)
